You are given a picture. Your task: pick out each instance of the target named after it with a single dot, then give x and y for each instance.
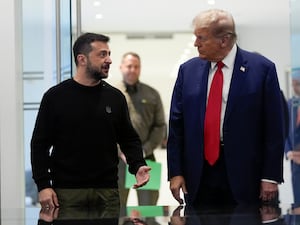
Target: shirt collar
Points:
(229, 59)
(131, 88)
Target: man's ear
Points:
(81, 59)
(225, 40)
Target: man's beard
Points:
(98, 75)
(95, 73)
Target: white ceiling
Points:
(175, 15)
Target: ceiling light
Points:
(211, 2)
(99, 16)
(97, 3)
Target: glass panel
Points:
(39, 65)
(292, 147)
(295, 33)
(295, 117)
(66, 45)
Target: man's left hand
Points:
(142, 176)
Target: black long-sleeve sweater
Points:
(74, 142)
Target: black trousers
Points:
(214, 191)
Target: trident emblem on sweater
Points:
(108, 109)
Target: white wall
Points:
(272, 42)
(160, 60)
(11, 132)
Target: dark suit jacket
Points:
(253, 131)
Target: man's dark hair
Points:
(83, 43)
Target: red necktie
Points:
(213, 117)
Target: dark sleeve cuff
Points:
(43, 184)
(134, 168)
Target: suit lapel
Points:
(204, 81)
(203, 89)
(237, 83)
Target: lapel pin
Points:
(242, 69)
(108, 109)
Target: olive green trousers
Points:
(88, 203)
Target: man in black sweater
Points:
(74, 152)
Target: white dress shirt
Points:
(227, 74)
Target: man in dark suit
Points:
(247, 163)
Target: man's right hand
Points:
(48, 198)
(177, 183)
(294, 155)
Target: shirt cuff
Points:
(270, 221)
(270, 181)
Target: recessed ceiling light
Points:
(211, 2)
(97, 3)
(99, 16)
